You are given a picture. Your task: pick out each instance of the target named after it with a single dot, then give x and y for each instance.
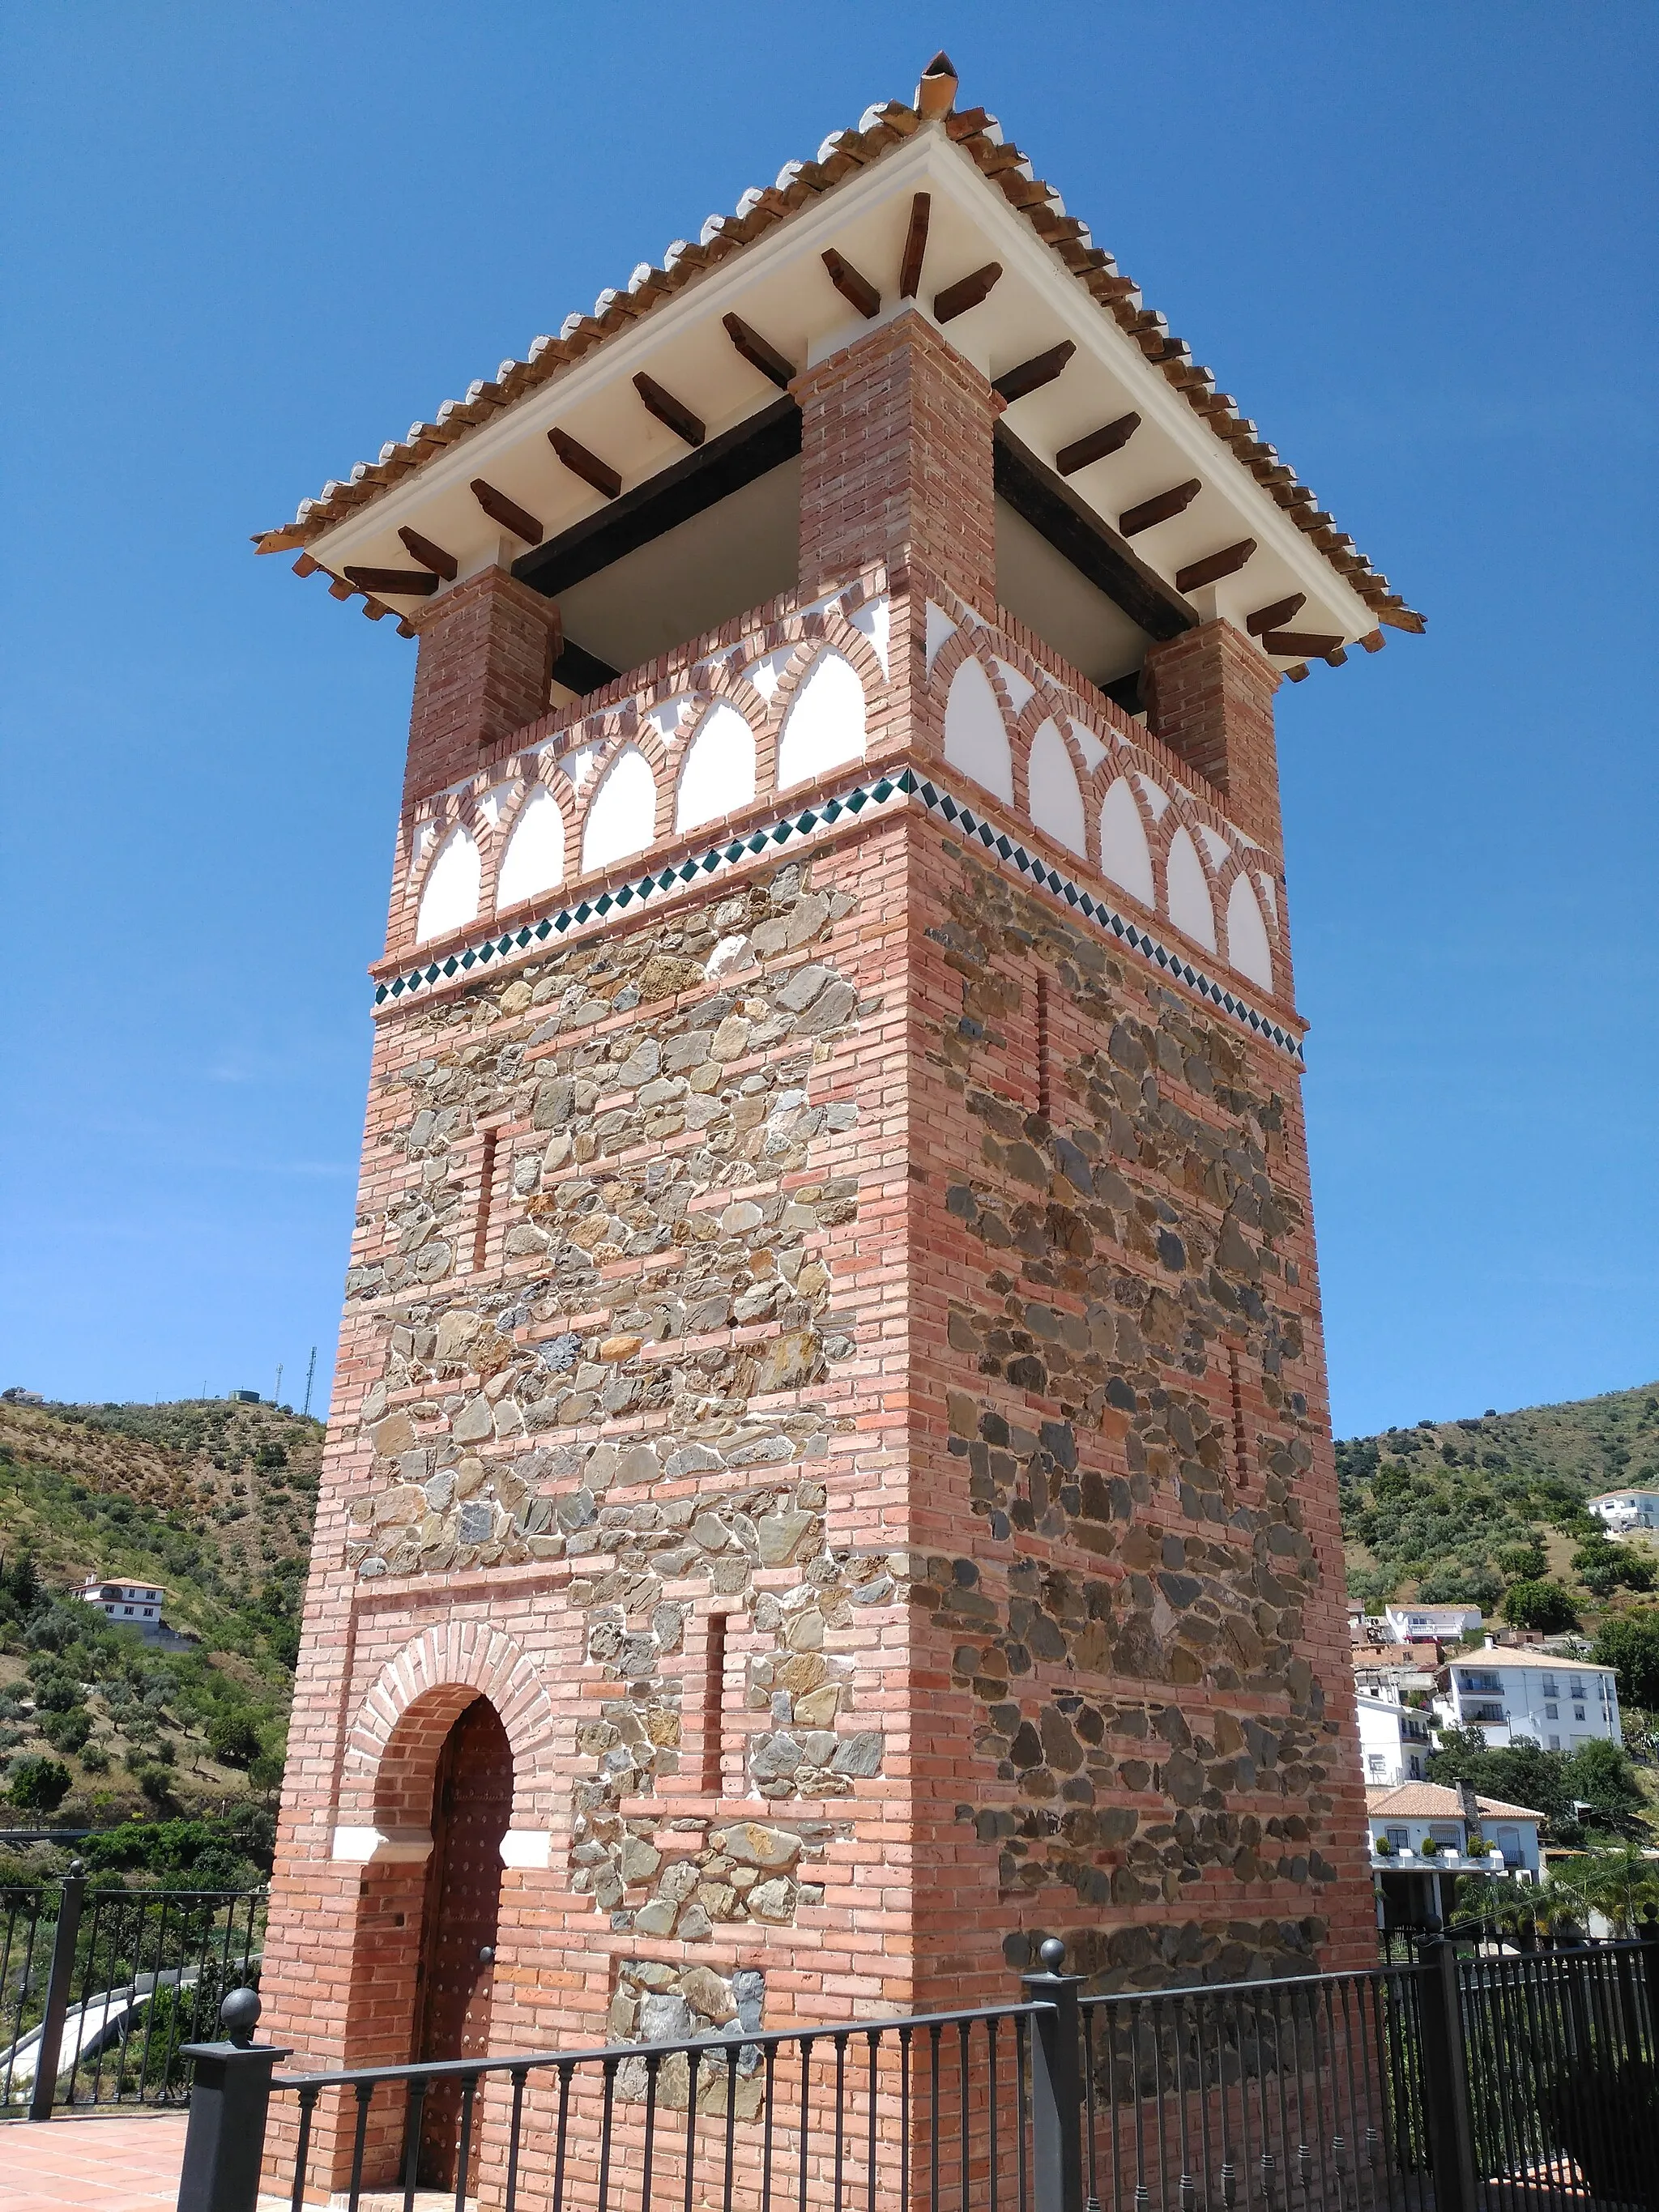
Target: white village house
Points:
(138, 1603)
(1621, 1510)
(1528, 1697)
(1422, 1838)
(1436, 1624)
(1394, 1736)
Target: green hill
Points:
(210, 1499)
(1467, 1510)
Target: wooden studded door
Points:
(471, 1805)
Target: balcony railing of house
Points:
(1453, 2080)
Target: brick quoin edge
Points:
(836, 1359)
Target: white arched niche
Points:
(1124, 855)
(976, 738)
(1190, 909)
(1051, 782)
(1246, 935)
(449, 897)
(623, 817)
(534, 859)
(719, 775)
(824, 726)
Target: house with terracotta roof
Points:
(1530, 1697)
(1425, 1834)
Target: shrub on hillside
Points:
(1545, 1606)
(1603, 1566)
(233, 1738)
(1631, 1646)
(67, 1731)
(1523, 1562)
(37, 1785)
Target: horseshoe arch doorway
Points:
(471, 1807)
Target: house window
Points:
(1449, 1838)
(1400, 1838)
(1551, 1712)
(1417, 1768)
(1577, 1687)
(127, 1609)
(1555, 1743)
(1549, 1690)
(1378, 1764)
(1578, 1712)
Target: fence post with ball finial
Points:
(1056, 2083)
(225, 2141)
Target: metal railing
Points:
(1454, 2083)
(101, 1989)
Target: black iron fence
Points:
(1476, 2082)
(101, 1989)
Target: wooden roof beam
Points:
(915, 245)
(967, 292)
(673, 414)
(587, 465)
(507, 511)
(1214, 566)
(1031, 375)
(430, 555)
(1300, 644)
(1161, 508)
(857, 290)
(1097, 444)
(759, 352)
(1275, 617)
(395, 583)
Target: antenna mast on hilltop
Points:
(277, 1399)
(310, 1369)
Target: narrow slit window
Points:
(714, 1708)
(486, 1190)
(1042, 1046)
(1241, 1451)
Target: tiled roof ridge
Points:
(1428, 1799)
(882, 126)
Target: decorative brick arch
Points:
(398, 1731)
(535, 775)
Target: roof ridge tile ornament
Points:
(883, 124)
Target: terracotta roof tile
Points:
(1433, 1801)
(882, 126)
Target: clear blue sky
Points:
(248, 244)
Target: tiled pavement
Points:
(125, 2164)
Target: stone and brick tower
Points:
(829, 1479)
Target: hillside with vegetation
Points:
(213, 1500)
(1473, 1512)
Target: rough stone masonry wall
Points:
(624, 1303)
(1125, 1491)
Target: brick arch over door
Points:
(398, 1731)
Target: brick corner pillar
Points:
(1210, 700)
(896, 461)
(486, 650)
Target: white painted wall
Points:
(1246, 935)
(534, 859)
(1124, 854)
(719, 774)
(825, 727)
(449, 898)
(622, 818)
(975, 740)
(1056, 802)
(1189, 894)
